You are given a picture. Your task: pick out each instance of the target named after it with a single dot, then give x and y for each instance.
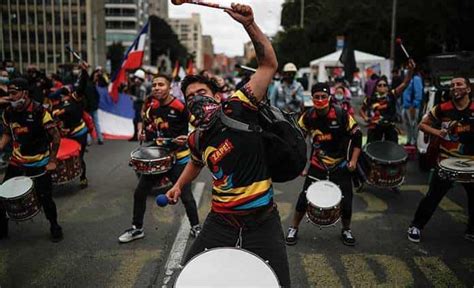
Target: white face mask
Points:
(339, 97)
(18, 103)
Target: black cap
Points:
(320, 87)
(19, 84)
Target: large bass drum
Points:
(457, 169)
(385, 163)
(19, 198)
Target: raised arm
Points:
(266, 58)
(411, 68)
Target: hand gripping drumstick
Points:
(399, 42)
(200, 2)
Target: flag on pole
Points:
(131, 60)
(190, 67)
(176, 69)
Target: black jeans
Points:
(82, 140)
(261, 233)
(438, 189)
(340, 176)
(379, 133)
(43, 188)
(146, 183)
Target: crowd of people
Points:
(243, 211)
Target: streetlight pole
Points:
(302, 15)
(394, 24)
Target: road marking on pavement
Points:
(319, 272)
(450, 207)
(437, 273)
(397, 273)
(375, 207)
(179, 245)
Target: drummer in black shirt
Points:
(456, 141)
(68, 112)
(35, 140)
(380, 109)
(164, 117)
(333, 133)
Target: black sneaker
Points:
(347, 238)
(292, 236)
(56, 233)
(414, 234)
(84, 183)
(100, 142)
(469, 235)
(195, 230)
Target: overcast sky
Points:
(228, 36)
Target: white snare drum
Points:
(324, 198)
(457, 169)
(19, 198)
(226, 267)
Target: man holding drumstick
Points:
(243, 212)
(457, 141)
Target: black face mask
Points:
(204, 109)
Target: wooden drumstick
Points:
(202, 3)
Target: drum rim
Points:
(24, 193)
(329, 207)
(382, 161)
(171, 155)
(440, 166)
(228, 248)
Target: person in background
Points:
(411, 102)
(138, 92)
(370, 85)
(288, 94)
(341, 100)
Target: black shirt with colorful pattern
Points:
(330, 135)
(460, 123)
(167, 121)
(29, 132)
(69, 114)
(236, 159)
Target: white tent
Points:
(363, 61)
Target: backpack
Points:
(284, 142)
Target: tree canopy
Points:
(426, 27)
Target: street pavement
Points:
(93, 218)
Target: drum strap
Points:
(239, 242)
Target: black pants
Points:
(260, 233)
(341, 177)
(438, 189)
(146, 183)
(43, 188)
(82, 140)
(379, 133)
(137, 106)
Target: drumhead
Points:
(227, 267)
(149, 153)
(385, 151)
(324, 194)
(68, 148)
(15, 187)
(458, 164)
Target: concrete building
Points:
(122, 21)
(36, 32)
(207, 52)
(189, 31)
(158, 8)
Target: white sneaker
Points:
(131, 234)
(414, 234)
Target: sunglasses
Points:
(382, 85)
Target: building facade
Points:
(207, 52)
(36, 32)
(189, 31)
